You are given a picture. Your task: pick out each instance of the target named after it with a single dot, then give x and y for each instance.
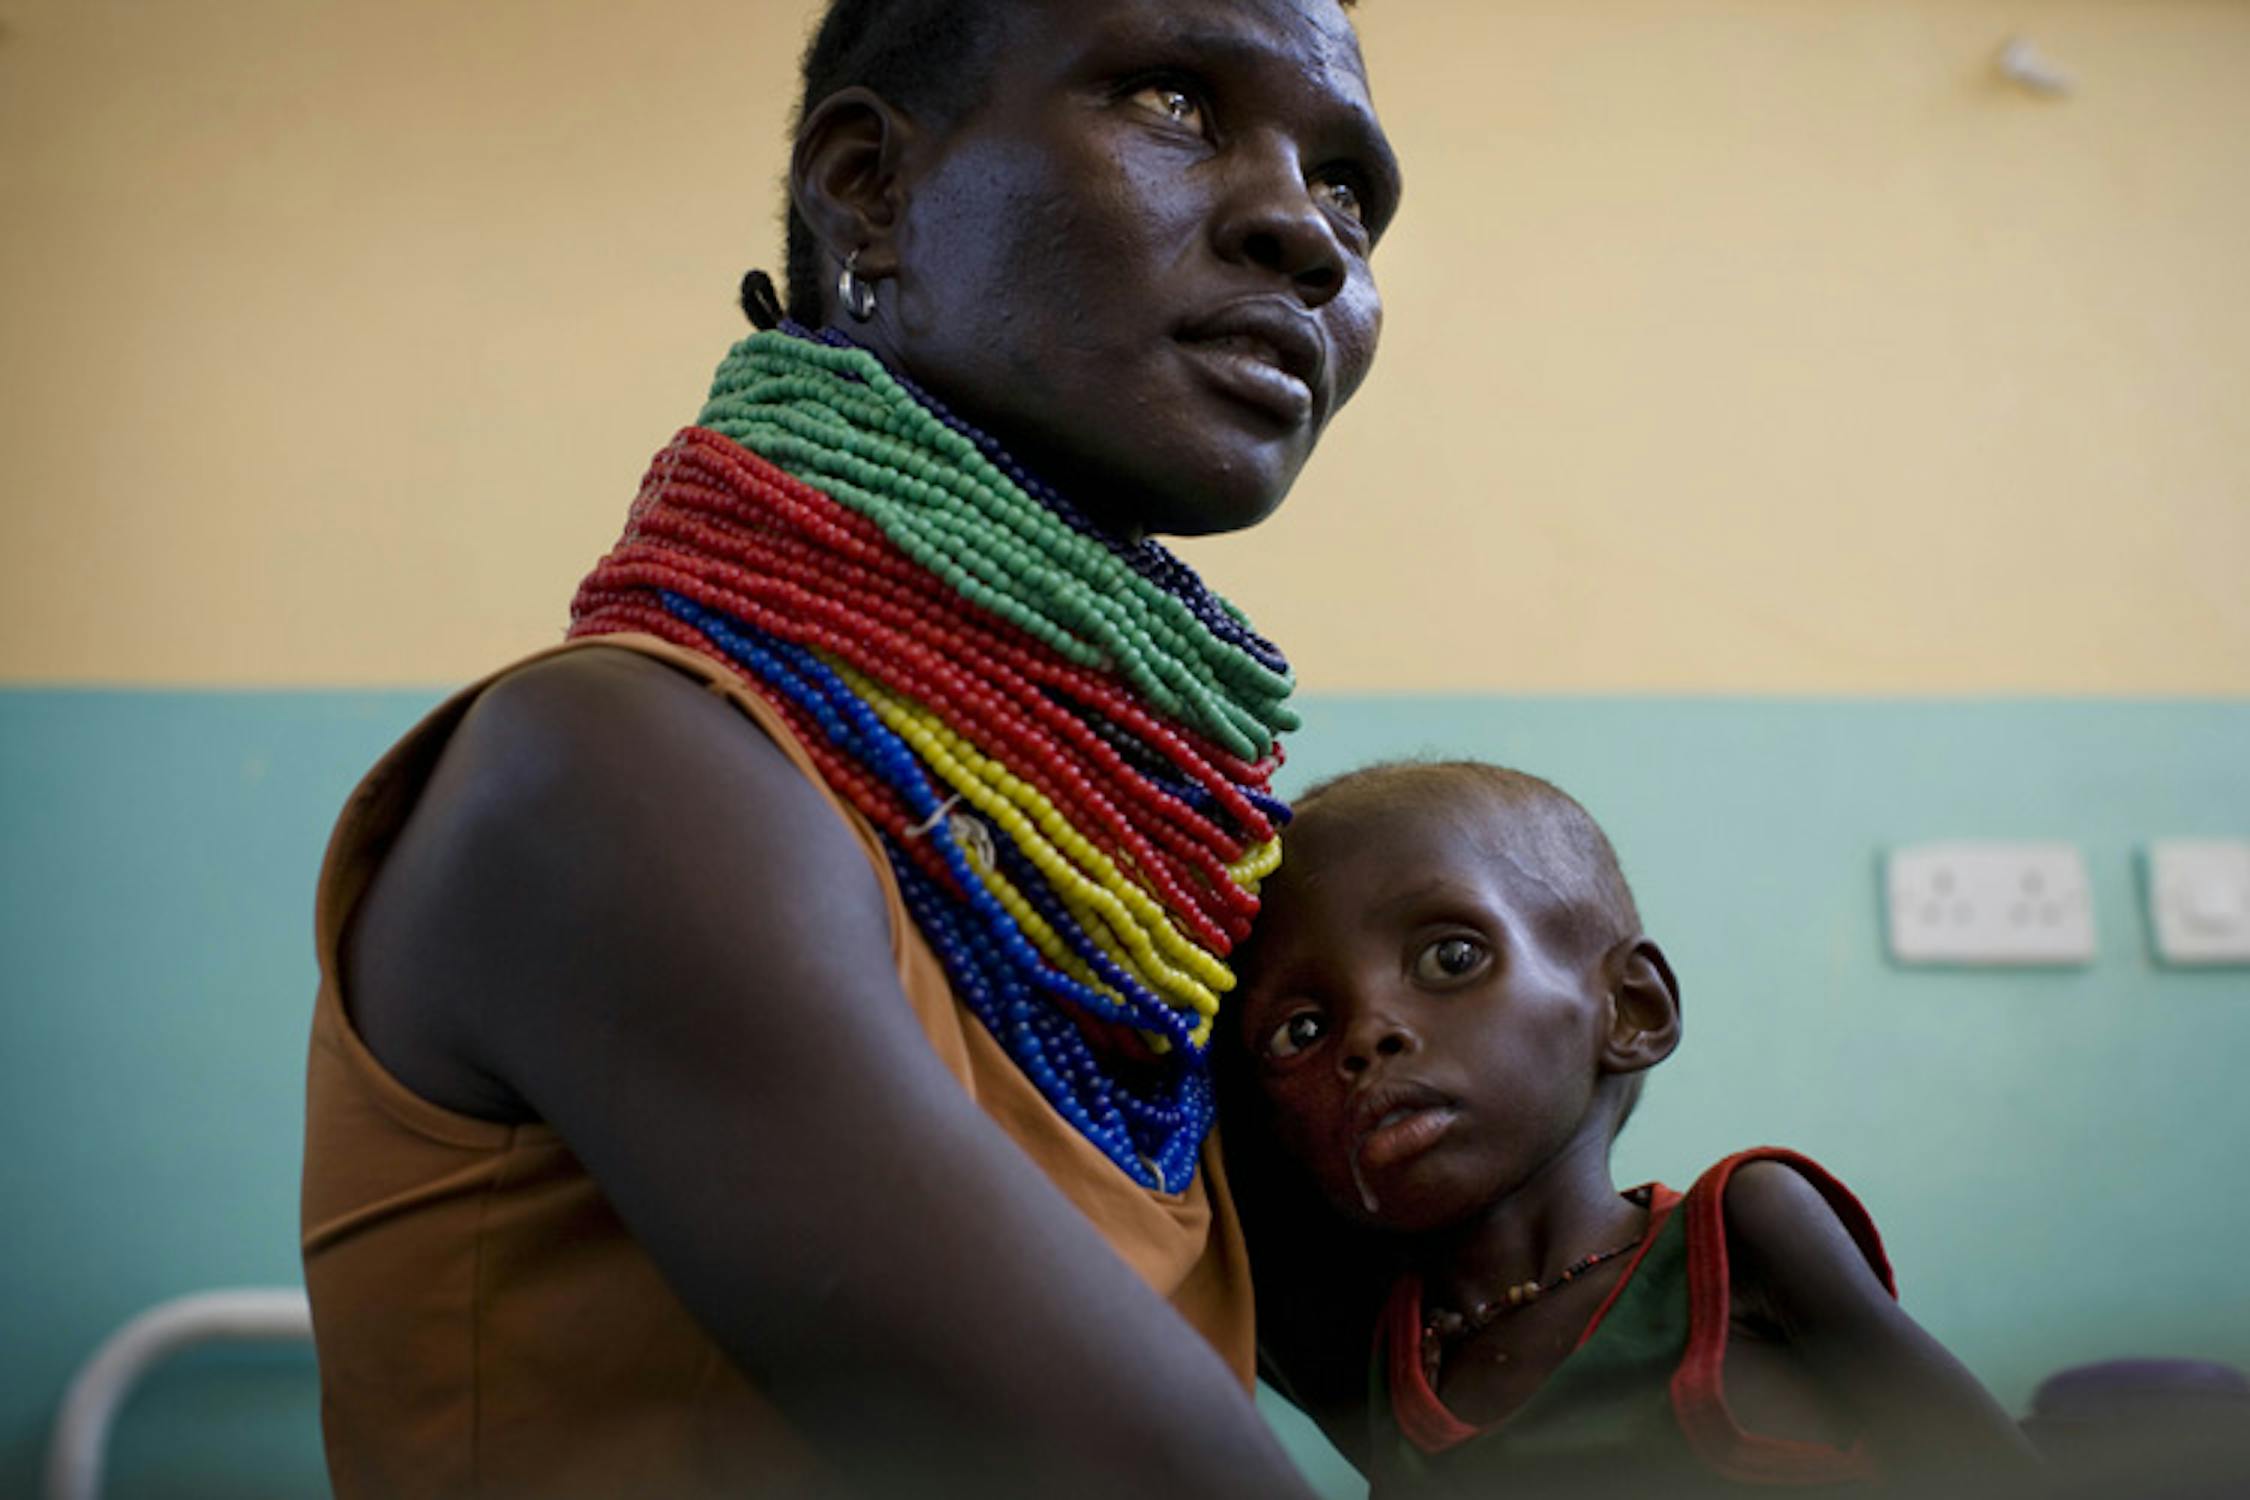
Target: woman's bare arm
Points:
(622, 911)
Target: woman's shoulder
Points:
(593, 705)
(580, 768)
(624, 743)
(581, 816)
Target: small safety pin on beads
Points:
(975, 839)
(929, 824)
(968, 830)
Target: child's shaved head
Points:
(1536, 827)
(1547, 834)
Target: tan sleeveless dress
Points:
(487, 1327)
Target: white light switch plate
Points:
(2199, 900)
(1981, 903)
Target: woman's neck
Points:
(1118, 517)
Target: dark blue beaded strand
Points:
(1153, 1128)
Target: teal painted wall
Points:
(2050, 1155)
(157, 852)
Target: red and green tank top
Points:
(1640, 1404)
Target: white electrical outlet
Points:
(2199, 900)
(1977, 903)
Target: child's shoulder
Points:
(1779, 1222)
(1814, 1312)
(1781, 1263)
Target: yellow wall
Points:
(1771, 345)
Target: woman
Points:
(701, 1105)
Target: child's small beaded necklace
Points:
(1064, 741)
(1443, 1327)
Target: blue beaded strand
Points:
(1137, 1007)
(998, 974)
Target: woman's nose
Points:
(1272, 222)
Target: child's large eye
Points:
(1449, 959)
(1296, 1034)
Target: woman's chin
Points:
(1200, 477)
(1215, 500)
(1201, 472)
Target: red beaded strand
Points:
(720, 526)
(1040, 764)
(739, 484)
(921, 595)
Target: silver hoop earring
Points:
(857, 296)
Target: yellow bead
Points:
(1257, 862)
(1007, 799)
(1140, 924)
(1043, 936)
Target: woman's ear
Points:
(1644, 1007)
(844, 178)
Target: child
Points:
(1449, 1010)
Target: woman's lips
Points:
(1252, 371)
(1404, 1134)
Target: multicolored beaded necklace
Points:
(1064, 741)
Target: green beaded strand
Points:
(837, 419)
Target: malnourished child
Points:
(1450, 1009)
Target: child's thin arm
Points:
(1930, 1426)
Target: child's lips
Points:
(1405, 1133)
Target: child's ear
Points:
(1644, 1007)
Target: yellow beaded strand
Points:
(1257, 862)
(1038, 931)
(1022, 812)
(1096, 928)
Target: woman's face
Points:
(1142, 260)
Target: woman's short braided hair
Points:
(931, 58)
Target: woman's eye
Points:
(1448, 959)
(1176, 105)
(1342, 197)
(1295, 1035)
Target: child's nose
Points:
(1372, 1038)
